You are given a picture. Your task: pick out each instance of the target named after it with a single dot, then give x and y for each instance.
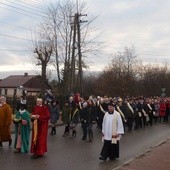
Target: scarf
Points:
(114, 128)
(35, 129)
(21, 111)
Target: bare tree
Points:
(43, 55)
(153, 79)
(124, 70)
(120, 76)
(71, 41)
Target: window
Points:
(15, 92)
(6, 91)
(0, 91)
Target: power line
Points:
(20, 13)
(154, 61)
(40, 2)
(11, 36)
(147, 54)
(29, 3)
(32, 8)
(21, 9)
(13, 50)
(16, 26)
(136, 43)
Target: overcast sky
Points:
(141, 23)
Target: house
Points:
(15, 84)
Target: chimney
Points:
(25, 74)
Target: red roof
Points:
(15, 80)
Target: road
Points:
(75, 154)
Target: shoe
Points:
(34, 156)
(65, 134)
(74, 133)
(83, 139)
(112, 159)
(102, 158)
(18, 150)
(10, 142)
(54, 131)
(90, 140)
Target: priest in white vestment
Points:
(112, 129)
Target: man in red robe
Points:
(40, 117)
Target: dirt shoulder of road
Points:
(156, 158)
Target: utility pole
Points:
(72, 82)
(77, 40)
(80, 68)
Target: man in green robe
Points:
(22, 130)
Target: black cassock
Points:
(110, 150)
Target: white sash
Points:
(150, 108)
(139, 113)
(144, 112)
(121, 113)
(131, 109)
(101, 108)
(80, 106)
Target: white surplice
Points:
(112, 124)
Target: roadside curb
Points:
(142, 154)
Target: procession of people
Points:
(113, 116)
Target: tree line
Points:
(127, 75)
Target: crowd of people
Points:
(113, 116)
(136, 112)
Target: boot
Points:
(1, 145)
(90, 137)
(51, 131)
(74, 133)
(54, 130)
(64, 134)
(10, 142)
(66, 131)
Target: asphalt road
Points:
(75, 154)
